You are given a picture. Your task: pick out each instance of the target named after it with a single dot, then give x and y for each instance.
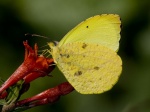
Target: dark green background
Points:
(54, 18)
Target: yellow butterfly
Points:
(87, 54)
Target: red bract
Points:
(34, 66)
(49, 96)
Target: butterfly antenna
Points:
(35, 35)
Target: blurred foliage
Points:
(54, 18)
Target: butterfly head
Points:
(52, 45)
(53, 48)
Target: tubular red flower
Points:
(34, 66)
(49, 96)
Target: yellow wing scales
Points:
(101, 29)
(90, 68)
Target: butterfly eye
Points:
(56, 43)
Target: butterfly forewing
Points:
(101, 29)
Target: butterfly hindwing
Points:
(90, 68)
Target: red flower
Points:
(48, 96)
(34, 66)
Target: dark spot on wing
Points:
(87, 26)
(78, 73)
(84, 45)
(65, 55)
(83, 55)
(96, 68)
(61, 54)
